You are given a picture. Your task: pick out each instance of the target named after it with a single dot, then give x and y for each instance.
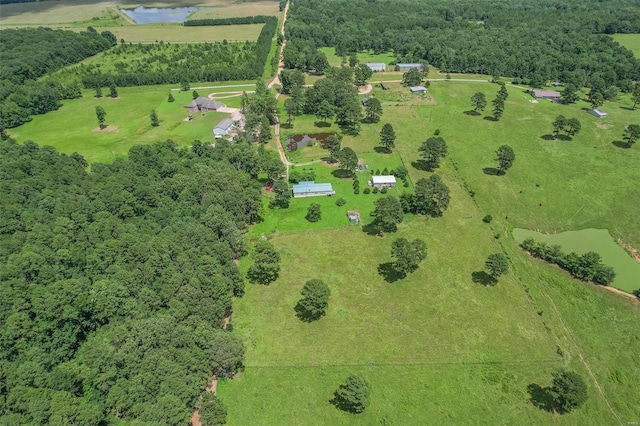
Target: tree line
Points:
(586, 267)
(115, 282)
(30, 53)
(241, 20)
(536, 43)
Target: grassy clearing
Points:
(630, 41)
(598, 240)
(72, 127)
(363, 57)
(227, 9)
(176, 33)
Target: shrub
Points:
(366, 191)
(377, 172)
(356, 190)
(341, 202)
(437, 132)
(375, 190)
(383, 190)
(405, 184)
(385, 171)
(487, 219)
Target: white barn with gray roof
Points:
(376, 66)
(223, 128)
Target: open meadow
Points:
(630, 41)
(74, 126)
(436, 344)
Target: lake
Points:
(155, 15)
(598, 240)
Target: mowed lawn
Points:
(74, 127)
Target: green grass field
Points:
(630, 41)
(363, 57)
(73, 127)
(436, 345)
(230, 9)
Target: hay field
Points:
(176, 33)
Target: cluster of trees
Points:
(165, 63)
(571, 126)
(415, 76)
(538, 43)
(631, 134)
(30, 53)
(240, 20)
(407, 255)
(498, 102)
(354, 395)
(116, 282)
(587, 267)
(260, 111)
(266, 263)
(431, 197)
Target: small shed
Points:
(598, 113)
(388, 181)
(309, 188)
(546, 94)
(556, 84)
(354, 216)
(418, 89)
(384, 86)
(223, 128)
(407, 67)
(376, 66)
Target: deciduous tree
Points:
(407, 255)
(559, 124)
(431, 196)
(373, 110)
(325, 111)
(573, 127)
(333, 145)
(631, 134)
(497, 265)
(354, 395)
(387, 214)
(212, 411)
(113, 90)
(413, 77)
(315, 299)
(635, 95)
(101, 115)
(314, 212)
(361, 73)
(479, 102)
(348, 159)
(569, 391)
(266, 263)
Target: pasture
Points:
(436, 344)
(630, 41)
(73, 127)
(335, 60)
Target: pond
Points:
(598, 240)
(295, 142)
(154, 15)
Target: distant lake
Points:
(154, 15)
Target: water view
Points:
(154, 15)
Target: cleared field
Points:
(235, 9)
(363, 57)
(176, 33)
(72, 127)
(598, 240)
(630, 41)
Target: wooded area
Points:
(535, 41)
(29, 53)
(116, 282)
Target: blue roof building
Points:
(309, 188)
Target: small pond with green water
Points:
(598, 240)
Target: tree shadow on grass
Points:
(628, 108)
(555, 138)
(341, 173)
(382, 150)
(541, 397)
(492, 171)
(387, 272)
(621, 144)
(322, 124)
(304, 315)
(481, 277)
(423, 165)
(490, 118)
(472, 113)
(371, 229)
(548, 137)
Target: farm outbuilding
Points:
(407, 67)
(598, 113)
(418, 89)
(309, 188)
(354, 216)
(546, 94)
(384, 86)
(380, 182)
(223, 128)
(376, 66)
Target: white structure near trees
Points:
(380, 182)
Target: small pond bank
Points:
(598, 240)
(154, 15)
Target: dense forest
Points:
(535, 41)
(29, 53)
(115, 282)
